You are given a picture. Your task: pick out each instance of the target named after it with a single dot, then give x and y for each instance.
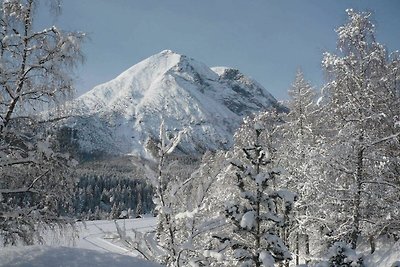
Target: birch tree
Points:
(359, 101)
(35, 72)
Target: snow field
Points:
(96, 246)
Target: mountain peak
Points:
(167, 51)
(168, 55)
(124, 114)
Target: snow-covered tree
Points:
(164, 199)
(301, 106)
(193, 212)
(184, 221)
(342, 255)
(35, 71)
(360, 118)
(298, 155)
(258, 211)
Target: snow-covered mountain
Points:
(123, 116)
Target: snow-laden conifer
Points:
(298, 154)
(259, 210)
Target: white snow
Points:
(386, 254)
(248, 220)
(287, 195)
(267, 259)
(261, 178)
(186, 214)
(43, 256)
(122, 115)
(93, 248)
(213, 254)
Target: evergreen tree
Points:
(298, 155)
(258, 211)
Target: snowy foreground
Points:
(96, 246)
(93, 247)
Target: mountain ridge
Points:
(122, 116)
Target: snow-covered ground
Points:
(96, 247)
(93, 247)
(386, 254)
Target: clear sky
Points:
(265, 39)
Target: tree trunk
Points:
(371, 243)
(355, 231)
(307, 248)
(297, 248)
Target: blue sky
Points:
(266, 39)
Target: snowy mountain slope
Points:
(123, 115)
